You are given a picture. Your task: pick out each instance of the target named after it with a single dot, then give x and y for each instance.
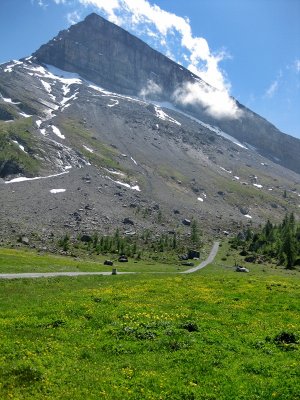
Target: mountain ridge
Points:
(116, 60)
(77, 158)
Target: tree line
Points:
(280, 242)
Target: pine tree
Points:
(289, 248)
(195, 232)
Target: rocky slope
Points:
(77, 158)
(114, 59)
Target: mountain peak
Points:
(102, 52)
(106, 54)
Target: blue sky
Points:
(249, 49)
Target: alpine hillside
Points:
(95, 134)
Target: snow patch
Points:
(57, 191)
(20, 146)
(116, 102)
(38, 123)
(11, 66)
(23, 178)
(66, 89)
(200, 199)
(133, 160)
(46, 85)
(57, 132)
(165, 117)
(237, 178)
(114, 172)
(248, 216)
(8, 100)
(257, 185)
(48, 88)
(66, 106)
(88, 149)
(214, 129)
(226, 170)
(67, 99)
(64, 76)
(106, 93)
(135, 187)
(25, 115)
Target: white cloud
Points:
(216, 103)
(152, 88)
(141, 12)
(297, 65)
(41, 3)
(73, 17)
(174, 35)
(272, 89)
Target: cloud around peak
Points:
(172, 35)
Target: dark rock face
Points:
(111, 57)
(106, 54)
(9, 168)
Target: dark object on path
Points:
(108, 262)
(123, 258)
(239, 268)
(114, 271)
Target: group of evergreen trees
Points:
(135, 245)
(280, 242)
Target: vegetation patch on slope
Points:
(12, 158)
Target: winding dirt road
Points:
(204, 263)
(31, 275)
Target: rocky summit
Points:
(95, 134)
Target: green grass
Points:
(209, 335)
(19, 131)
(169, 172)
(23, 260)
(104, 155)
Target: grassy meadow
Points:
(215, 334)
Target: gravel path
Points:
(204, 263)
(30, 275)
(54, 274)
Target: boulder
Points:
(86, 238)
(193, 254)
(187, 264)
(123, 258)
(239, 268)
(128, 221)
(250, 259)
(25, 240)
